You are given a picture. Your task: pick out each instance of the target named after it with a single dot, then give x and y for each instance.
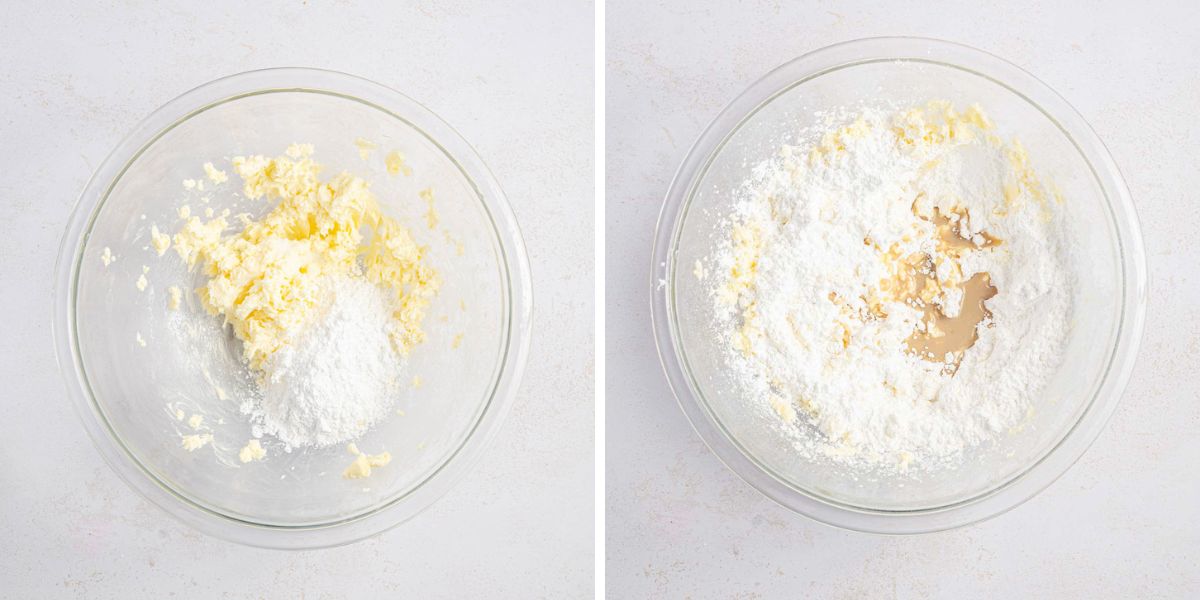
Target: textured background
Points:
(515, 78)
(1122, 523)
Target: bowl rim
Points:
(517, 314)
(1130, 249)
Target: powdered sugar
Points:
(338, 376)
(811, 331)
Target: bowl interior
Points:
(792, 117)
(190, 363)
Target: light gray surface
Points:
(515, 78)
(1122, 523)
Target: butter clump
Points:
(215, 175)
(363, 463)
(196, 441)
(159, 240)
(431, 216)
(395, 163)
(365, 147)
(253, 450)
(265, 280)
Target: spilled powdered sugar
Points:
(335, 378)
(797, 301)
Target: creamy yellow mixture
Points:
(265, 280)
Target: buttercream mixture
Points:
(326, 294)
(898, 291)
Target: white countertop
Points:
(515, 78)
(1122, 523)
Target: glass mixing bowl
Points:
(127, 392)
(1110, 296)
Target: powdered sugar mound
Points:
(338, 376)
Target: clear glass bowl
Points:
(1110, 298)
(126, 393)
